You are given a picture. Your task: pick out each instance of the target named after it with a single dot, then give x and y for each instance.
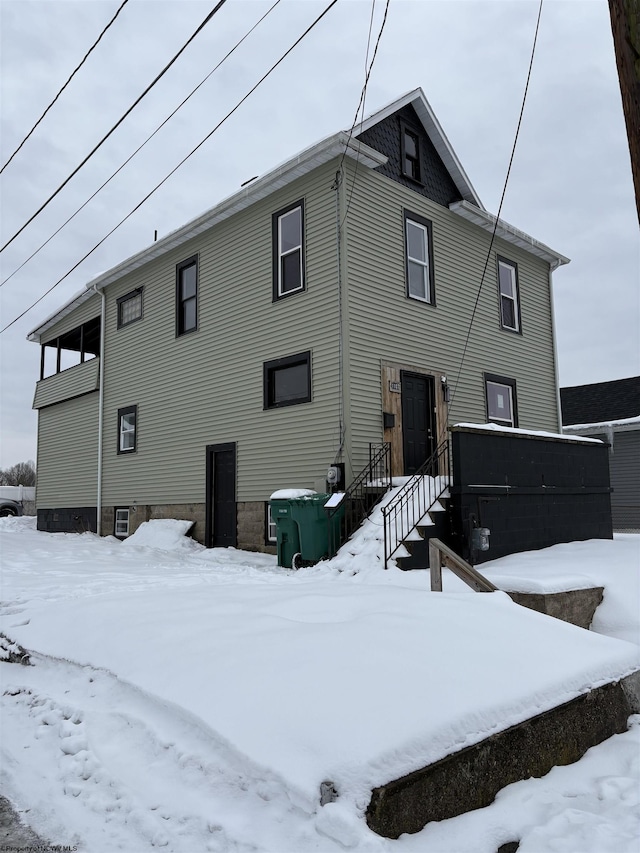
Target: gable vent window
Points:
(411, 154)
(419, 257)
(288, 250)
(129, 307)
(509, 301)
(287, 381)
(187, 296)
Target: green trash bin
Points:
(287, 533)
(318, 532)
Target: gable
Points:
(386, 137)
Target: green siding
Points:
(72, 382)
(88, 310)
(68, 453)
(383, 324)
(205, 387)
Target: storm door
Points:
(418, 420)
(221, 522)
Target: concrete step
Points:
(418, 546)
(471, 778)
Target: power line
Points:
(363, 97)
(175, 169)
(119, 122)
(73, 73)
(140, 147)
(504, 190)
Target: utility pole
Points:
(625, 26)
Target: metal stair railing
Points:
(402, 514)
(361, 495)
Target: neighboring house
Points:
(611, 411)
(322, 308)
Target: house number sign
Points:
(395, 386)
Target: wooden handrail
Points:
(440, 554)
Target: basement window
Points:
(271, 535)
(121, 525)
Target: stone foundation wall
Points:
(250, 516)
(252, 527)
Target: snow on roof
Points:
(629, 423)
(525, 433)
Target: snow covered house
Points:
(610, 411)
(323, 308)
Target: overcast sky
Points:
(570, 185)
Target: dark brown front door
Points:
(418, 419)
(221, 527)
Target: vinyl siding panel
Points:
(68, 453)
(206, 387)
(383, 324)
(624, 464)
(89, 310)
(72, 382)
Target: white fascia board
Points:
(507, 232)
(435, 133)
(303, 163)
(75, 301)
(624, 425)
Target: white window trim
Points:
(495, 419)
(283, 254)
(125, 429)
(514, 299)
(271, 526)
(426, 266)
(124, 519)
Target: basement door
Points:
(418, 419)
(221, 524)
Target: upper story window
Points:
(501, 400)
(129, 307)
(509, 300)
(287, 381)
(288, 250)
(187, 296)
(419, 257)
(410, 153)
(127, 429)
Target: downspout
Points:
(555, 346)
(100, 409)
(341, 407)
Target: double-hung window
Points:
(419, 257)
(129, 307)
(187, 296)
(287, 381)
(501, 400)
(288, 250)
(509, 301)
(271, 531)
(127, 429)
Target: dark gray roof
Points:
(601, 402)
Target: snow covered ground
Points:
(195, 699)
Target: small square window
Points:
(501, 400)
(410, 153)
(129, 307)
(271, 534)
(187, 296)
(287, 381)
(288, 250)
(121, 527)
(127, 429)
(509, 300)
(419, 254)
